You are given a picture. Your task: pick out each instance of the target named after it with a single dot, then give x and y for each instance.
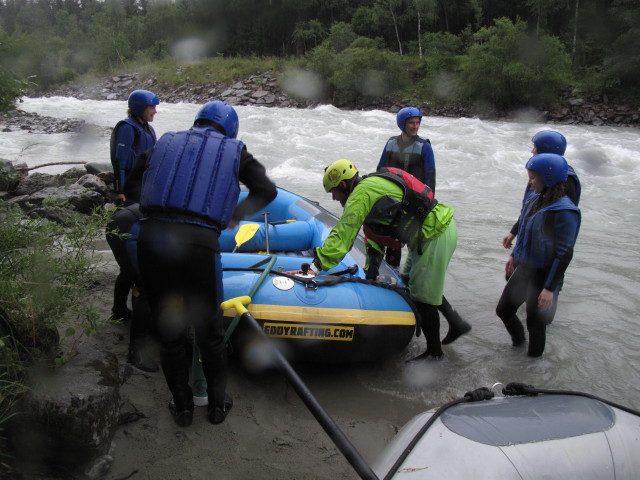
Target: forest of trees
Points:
(506, 52)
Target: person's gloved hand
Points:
(314, 269)
(305, 269)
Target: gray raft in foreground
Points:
(526, 437)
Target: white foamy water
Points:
(592, 344)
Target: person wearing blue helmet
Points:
(547, 232)
(548, 141)
(413, 153)
(131, 137)
(189, 189)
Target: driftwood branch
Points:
(26, 169)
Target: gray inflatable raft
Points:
(528, 437)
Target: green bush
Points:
(362, 73)
(12, 86)
(440, 50)
(46, 269)
(508, 67)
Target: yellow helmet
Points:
(337, 172)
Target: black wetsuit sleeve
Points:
(261, 190)
(373, 262)
(430, 181)
(564, 232)
(514, 229)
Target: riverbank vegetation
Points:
(503, 53)
(46, 269)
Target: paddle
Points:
(245, 233)
(328, 424)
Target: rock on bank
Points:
(265, 89)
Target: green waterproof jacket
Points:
(357, 208)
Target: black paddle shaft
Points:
(349, 451)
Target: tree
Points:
(364, 72)
(424, 9)
(12, 86)
(622, 65)
(340, 36)
(510, 68)
(392, 5)
(307, 35)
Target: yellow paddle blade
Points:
(245, 233)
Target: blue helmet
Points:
(552, 168)
(405, 113)
(548, 141)
(141, 99)
(222, 114)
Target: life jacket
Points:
(536, 243)
(406, 157)
(192, 176)
(143, 141)
(406, 216)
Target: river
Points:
(593, 344)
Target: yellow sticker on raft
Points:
(317, 332)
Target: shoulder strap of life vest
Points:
(417, 198)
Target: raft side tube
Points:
(559, 436)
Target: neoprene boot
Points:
(537, 340)
(121, 291)
(181, 413)
(175, 367)
(431, 329)
(457, 325)
(217, 413)
(141, 353)
(515, 329)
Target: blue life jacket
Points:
(192, 176)
(535, 247)
(143, 141)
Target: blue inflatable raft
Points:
(335, 317)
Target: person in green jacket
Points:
(376, 201)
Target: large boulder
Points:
(10, 175)
(83, 200)
(38, 181)
(66, 421)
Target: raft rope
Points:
(330, 280)
(484, 393)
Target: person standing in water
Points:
(548, 141)
(413, 153)
(393, 203)
(547, 232)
